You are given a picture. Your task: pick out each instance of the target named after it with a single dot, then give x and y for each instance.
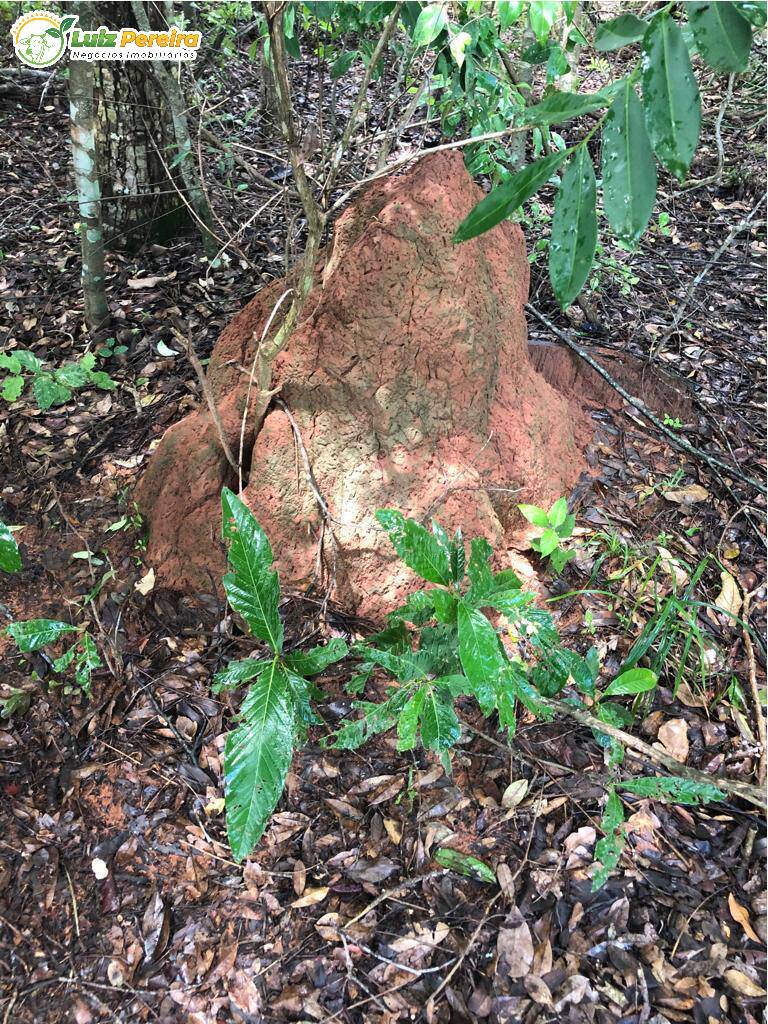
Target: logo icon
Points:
(40, 38)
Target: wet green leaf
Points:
(629, 170)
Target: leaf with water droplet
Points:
(629, 170)
(670, 96)
(574, 228)
(722, 36)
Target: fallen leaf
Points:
(729, 598)
(327, 927)
(742, 984)
(155, 927)
(414, 947)
(740, 914)
(673, 736)
(373, 870)
(687, 495)
(146, 583)
(137, 283)
(514, 946)
(311, 897)
(514, 793)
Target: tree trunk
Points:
(149, 194)
(81, 105)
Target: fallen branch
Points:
(678, 442)
(759, 716)
(752, 794)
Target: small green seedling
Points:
(556, 526)
(49, 387)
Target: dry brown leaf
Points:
(311, 897)
(138, 283)
(413, 948)
(729, 598)
(514, 946)
(740, 914)
(299, 877)
(673, 737)
(327, 927)
(393, 829)
(742, 984)
(687, 495)
(514, 793)
(146, 583)
(538, 990)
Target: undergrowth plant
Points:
(474, 633)
(556, 526)
(50, 387)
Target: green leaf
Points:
(558, 513)
(71, 375)
(505, 199)
(257, 756)
(542, 15)
(458, 557)
(458, 45)
(574, 228)
(404, 666)
(722, 36)
(637, 680)
(754, 11)
(480, 651)
(10, 559)
(238, 672)
(343, 63)
(534, 515)
(310, 663)
(445, 606)
(430, 24)
(613, 814)
(509, 11)
(408, 722)
(608, 851)
(465, 864)
(559, 107)
(681, 791)
(629, 170)
(12, 388)
(548, 542)
(427, 554)
(670, 96)
(36, 633)
(612, 35)
(440, 727)
(253, 589)
(48, 392)
(88, 661)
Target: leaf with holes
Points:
(722, 36)
(36, 633)
(676, 790)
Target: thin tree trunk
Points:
(82, 114)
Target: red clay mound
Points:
(411, 384)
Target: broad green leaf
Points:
(754, 11)
(424, 552)
(87, 662)
(445, 606)
(10, 559)
(458, 45)
(12, 388)
(10, 361)
(36, 633)
(527, 694)
(629, 170)
(681, 791)
(482, 656)
(49, 392)
(238, 672)
(440, 727)
(26, 360)
(253, 589)
(637, 680)
(505, 199)
(574, 228)
(465, 864)
(613, 813)
(418, 609)
(722, 36)
(343, 63)
(558, 513)
(458, 557)
(62, 663)
(534, 515)
(559, 107)
(257, 756)
(72, 375)
(509, 11)
(408, 722)
(548, 542)
(309, 663)
(430, 24)
(612, 35)
(404, 666)
(479, 569)
(542, 15)
(670, 96)
(608, 851)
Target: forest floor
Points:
(341, 913)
